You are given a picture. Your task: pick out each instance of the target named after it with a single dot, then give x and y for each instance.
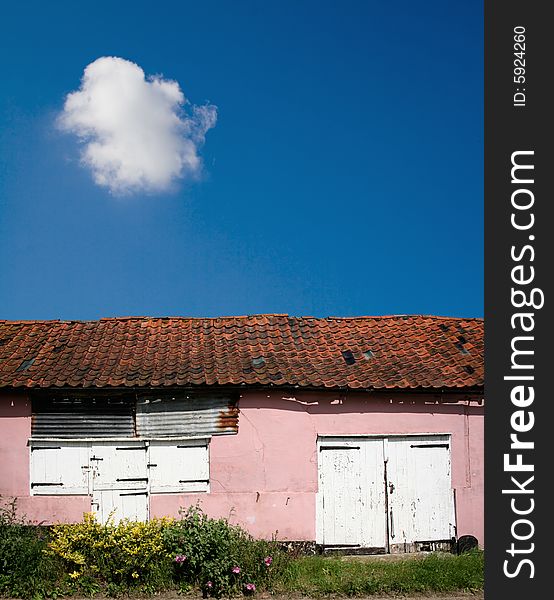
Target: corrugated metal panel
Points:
(181, 416)
(67, 425)
(82, 417)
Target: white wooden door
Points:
(120, 480)
(351, 496)
(420, 497)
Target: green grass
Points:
(321, 576)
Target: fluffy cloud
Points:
(138, 133)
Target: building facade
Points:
(362, 432)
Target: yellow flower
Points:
(75, 574)
(134, 575)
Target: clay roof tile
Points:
(406, 352)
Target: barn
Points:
(362, 433)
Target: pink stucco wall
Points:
(265, 478)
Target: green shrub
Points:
(25, 570)
(220, 558)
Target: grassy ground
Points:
(318, 576)
(431, 577)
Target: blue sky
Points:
(344, 175)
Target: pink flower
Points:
(235, 570)
(250, 587)
(180, 558)
(268, 560)
(209, 584)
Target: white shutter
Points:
(59, 468)
(119, 465)
(179, 466)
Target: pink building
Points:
(350, 432)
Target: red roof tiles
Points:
(260, 350)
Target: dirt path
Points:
(451, 596)
(266, 596)
(454, 596)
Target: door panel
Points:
(59, 468)
(120, 504)
(342, 494)
(351, 489)
(373, 524)
(120, 465)
(120, 481)
(178, 467)
(420, 496)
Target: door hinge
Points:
(430, 446)
(42, 484)
(339, 448)
(194, 481)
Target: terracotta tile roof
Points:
(361, 352)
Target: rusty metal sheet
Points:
(163, 416)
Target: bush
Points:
(194, 551)
(118, 557)
(218, 557)
(25, 570)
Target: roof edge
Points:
(251, 387)
(252, 316)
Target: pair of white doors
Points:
(384, 493)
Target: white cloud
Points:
(136, 134)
